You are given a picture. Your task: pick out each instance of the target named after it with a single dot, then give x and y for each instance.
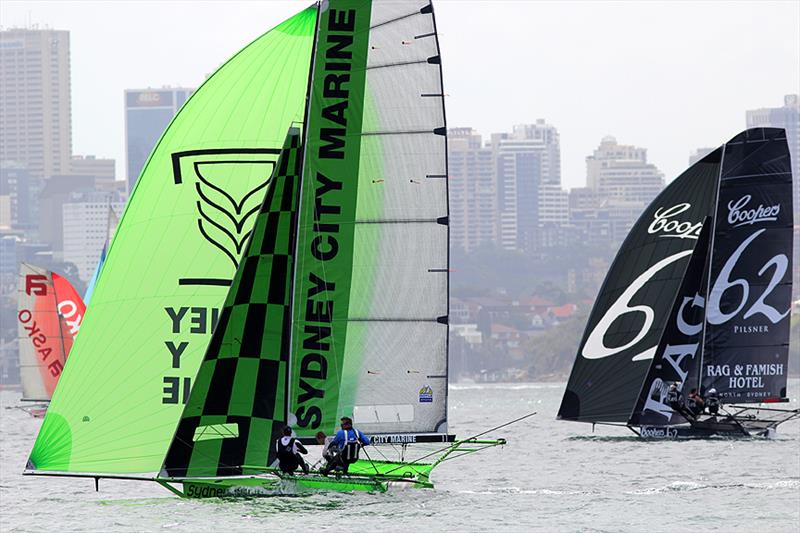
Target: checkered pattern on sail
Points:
(237, 406)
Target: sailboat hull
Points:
(365, 476)
(744, 423)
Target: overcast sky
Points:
(667, 76)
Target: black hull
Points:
(741, 424)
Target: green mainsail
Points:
(174, 254)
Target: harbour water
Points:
(552, 476)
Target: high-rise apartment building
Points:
(620, 185)
(86, 228)
(473, 197)
(35, 127)
(528, 182)
(148, 112)
(621, 173)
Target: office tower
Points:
(472, 192)
(35, 129)
(148, 112)
(17, 195)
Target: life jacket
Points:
(673, 396)
(350, 448)
(712, 401)
(285, 452)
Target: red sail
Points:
(49, 316)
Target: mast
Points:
(708, 266)
(299, 199)
(447, 196)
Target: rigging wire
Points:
(464, 440)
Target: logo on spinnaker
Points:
(426, 394)
(229, 186)
(664, 222)
(36, 285)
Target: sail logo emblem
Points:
(36, 285)
(738, 216)
(229, 186)
(664, 222)
(426, 394)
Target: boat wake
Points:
(689, 486)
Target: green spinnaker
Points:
(172, 259)
(237, 407)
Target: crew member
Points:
(345, 446)
(695, 402)
(712, 402)
(327, 452)
(289, 450)
(674, 397)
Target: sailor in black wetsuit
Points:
(289, 450)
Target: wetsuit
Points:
(289, 458)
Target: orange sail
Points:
(49, 317)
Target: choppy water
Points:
(552, 476)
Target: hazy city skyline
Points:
(667, 77)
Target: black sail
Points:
(749, 299)
(631, 310)
(677, 358)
